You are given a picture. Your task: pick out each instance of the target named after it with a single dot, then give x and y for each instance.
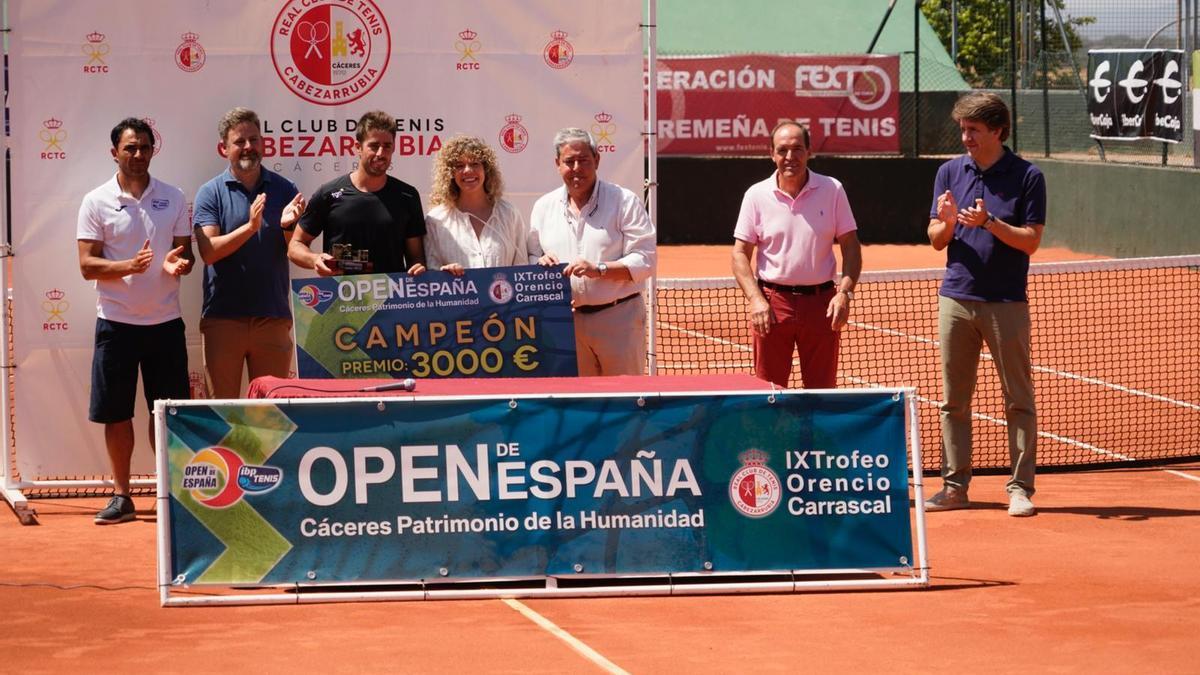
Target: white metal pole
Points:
(162, 503)
(921, 564)
(651, 145)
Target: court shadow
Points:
(1131, 513)
(938, 583)
(1125, 512)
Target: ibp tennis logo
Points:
(218, 478)
(311, 296)
(329, 52)
(754, 489)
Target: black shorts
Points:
(159, 350)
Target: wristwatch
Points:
(602, 268)
(849, 294)
(991, 220)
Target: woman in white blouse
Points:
(470, 226)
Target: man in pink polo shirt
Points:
(794, 218)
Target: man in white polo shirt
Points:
(135, 242)
(604, 235)
(794, 218)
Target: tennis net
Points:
(1116, 356)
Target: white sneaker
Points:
(1020, 505)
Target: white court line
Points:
(1004, 423)
(1183, 475)
(1043, 369)
(574, 642)
(705, 336)
(986, 355)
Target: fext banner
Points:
(727, 105)
(460, 488)
(1136, 94)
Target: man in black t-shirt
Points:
(367, 210)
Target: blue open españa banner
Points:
(342, 492)
(497, 322)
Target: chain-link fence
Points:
(1038, 49)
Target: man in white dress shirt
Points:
(604, 235)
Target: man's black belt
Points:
(592, 309)
(800, 290)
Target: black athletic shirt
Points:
(377, 221)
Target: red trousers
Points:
(800, 324)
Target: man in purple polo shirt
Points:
(794, 218)
(988, 213)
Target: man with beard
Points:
(379, 217)
(243, 220)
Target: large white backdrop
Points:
(510, 72)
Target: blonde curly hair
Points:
(456, 150)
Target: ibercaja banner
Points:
(495, 322)
(454, 488)
(1136, 94)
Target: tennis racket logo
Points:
(331, 53)
(754, 489)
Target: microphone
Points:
(408, 384)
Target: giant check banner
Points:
(464, 489)
(496, 322)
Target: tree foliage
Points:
(985, 36)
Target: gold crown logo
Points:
(95, 37)
(468, 34)
(53, 123)
(55, 294)
(603, 117)
(753, 458)
(512, 118)
(559, 35)
(190, 37)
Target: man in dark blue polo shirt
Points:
(988, 213)
(243, 221)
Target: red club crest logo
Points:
(513, 135)
(328, 52)
(558, 52)
(189, 56)
(754, 489)
(158, 141)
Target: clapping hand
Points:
(175, 264)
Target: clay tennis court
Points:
(1103, 579)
